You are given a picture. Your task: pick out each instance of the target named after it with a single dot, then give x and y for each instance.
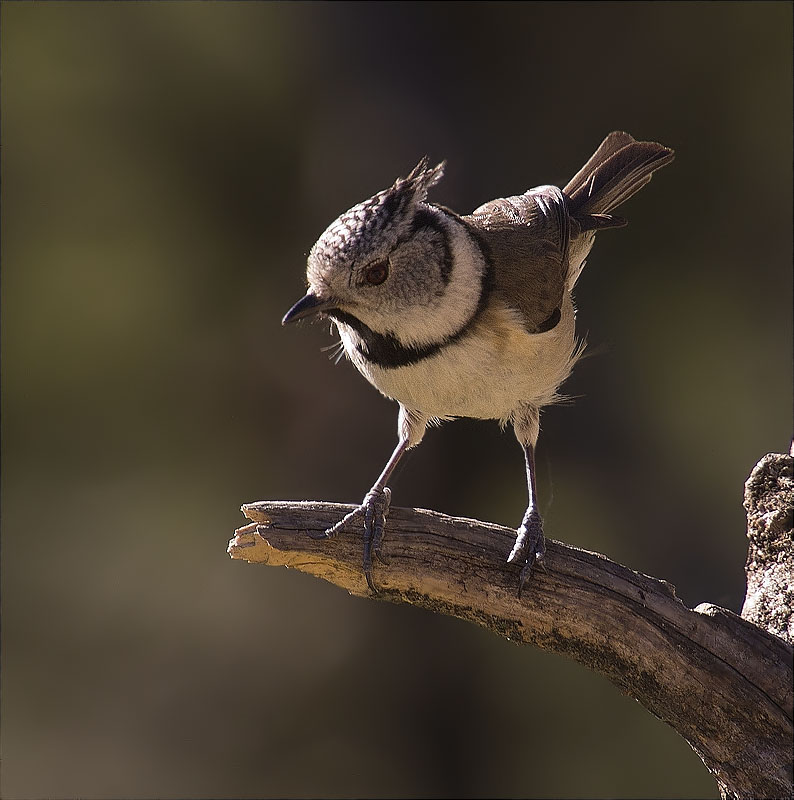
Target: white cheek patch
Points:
(440, 316)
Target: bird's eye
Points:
(376, 273)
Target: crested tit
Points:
(467, 316)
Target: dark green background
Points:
(165, 169)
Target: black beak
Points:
(307, 306)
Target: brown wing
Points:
(527, 237)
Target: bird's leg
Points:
(373, 509)
(530, 545)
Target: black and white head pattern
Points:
(373, 228)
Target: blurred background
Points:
(166, 168)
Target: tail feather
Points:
(618, 169)
(612, 143)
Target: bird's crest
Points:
(381, 217)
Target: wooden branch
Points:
(722, 682)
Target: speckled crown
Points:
(358, 231)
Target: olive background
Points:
(166, 168)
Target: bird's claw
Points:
(329, 533)
(529, 547)
(373, 509)
(376, 507)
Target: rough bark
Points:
(769, 502)
(723, 682)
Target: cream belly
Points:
(490, 373)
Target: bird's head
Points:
(383, 257)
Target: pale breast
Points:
(487, 374)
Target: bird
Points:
(467, 315)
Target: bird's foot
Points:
(373, 510)
(529, 548)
